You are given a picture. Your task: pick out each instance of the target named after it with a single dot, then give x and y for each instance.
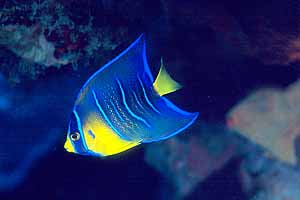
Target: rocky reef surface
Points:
(189, 161)
(49, 33)
(270, 117)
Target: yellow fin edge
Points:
(164, 84)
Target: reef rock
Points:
(30, 43)
(188, 159)
(37, 35)
(271, 117)
(268, 179)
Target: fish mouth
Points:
(68, 146)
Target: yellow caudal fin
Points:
(164, 84)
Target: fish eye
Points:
(75, 136)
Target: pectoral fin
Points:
(164, 84)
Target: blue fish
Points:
(121, 106)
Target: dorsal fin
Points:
(163, 83)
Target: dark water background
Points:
(215, 78)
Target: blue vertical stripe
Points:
(138, 101)
(127, 107)
(80, 130)
(106, 117)
(146, 97)
(116, 111)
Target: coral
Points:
(267, 179)
(30, 43)
(270, 117)
(189, 159)
(187, 162)
(48, 34)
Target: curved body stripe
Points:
(116, 111)
(106, 117)
(80, 128)
(146, 97)
(127, 107)
(137, 100)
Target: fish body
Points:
(121, 106)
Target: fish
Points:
(121, 106)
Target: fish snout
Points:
(68, 146)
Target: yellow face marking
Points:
(104, 140)
(68, 146)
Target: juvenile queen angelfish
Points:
(121, 106)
